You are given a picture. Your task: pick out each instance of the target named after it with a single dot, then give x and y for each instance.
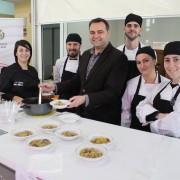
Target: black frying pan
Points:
(32, 107)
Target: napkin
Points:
(41, 167)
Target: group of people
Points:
(113, 85)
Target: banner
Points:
(11, 30)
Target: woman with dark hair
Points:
(161, 110)
(20, 80)
(138, 88)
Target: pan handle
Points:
(25, 106)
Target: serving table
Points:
(134, 155)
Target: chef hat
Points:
(147, 50)
(73, 37)
(172, 48)
(133, 17)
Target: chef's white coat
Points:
(131, 54)
(71, 66)
(169, 125)
(145, 90)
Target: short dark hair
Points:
(97, 20)
(25, 44)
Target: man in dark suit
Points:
(101, 78)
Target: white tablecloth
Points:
(135, 155)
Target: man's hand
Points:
(47, 87)
(76, 101)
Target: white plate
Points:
(47, 94)
(40, 137)
(68, 117)
(59, 133)
(100, 149)
(44, 126)
(94, 136)
(21, 138)
(56, 104)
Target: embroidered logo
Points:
(18, 83)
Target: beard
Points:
(132, 38)
(73, 53)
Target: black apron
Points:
(165, 106)
(67, 75)
(132, 67)
(135, 124)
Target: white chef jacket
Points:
(145, 90)
(71, 66)
(131, 54)
(169, 125)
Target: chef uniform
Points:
(14, 81)
(132, 68)
(66, 67)
(135, 92)
(131, 54)
(164, 99)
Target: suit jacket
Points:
(104, 85)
